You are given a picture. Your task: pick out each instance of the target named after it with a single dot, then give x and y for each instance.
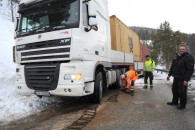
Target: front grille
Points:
(53, 50)
(42, 76)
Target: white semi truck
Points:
(63, 48)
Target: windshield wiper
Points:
(28, 31)
(59, 27)
(24, 33)
(40, 30)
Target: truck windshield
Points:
(61, 14)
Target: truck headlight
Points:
(72, 77)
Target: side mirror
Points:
(16, 23)
(93, 21)
(92, 24)
(92, 8)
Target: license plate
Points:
(42, 93)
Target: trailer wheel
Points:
(96, 97)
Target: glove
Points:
(144, 73)
(123, 76)
(168, 78)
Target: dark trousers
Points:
(150, 76)
(179, 92)
(132, 82)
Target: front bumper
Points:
(61, 90)
(82, 87)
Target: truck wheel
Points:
(118, 83)
(96, 97)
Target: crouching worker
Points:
(128, 80)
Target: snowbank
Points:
(12, 105)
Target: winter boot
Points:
(128, 90)
(151, 87)
(181, 107)
(145, 87)
(172, 103)
(132, 90)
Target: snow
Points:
(14, 106)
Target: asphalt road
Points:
(146, 110)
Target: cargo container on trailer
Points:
(124, 39)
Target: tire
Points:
(118, 83)
(96, 97)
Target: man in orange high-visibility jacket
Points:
(128, 79)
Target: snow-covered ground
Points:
(14, 106)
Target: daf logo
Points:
(39, 36)
(64, 40)
(20, 47)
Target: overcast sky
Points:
(151, 13)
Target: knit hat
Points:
(147, 56)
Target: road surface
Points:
(146, 110)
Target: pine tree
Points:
(1, 3)
(191, 44)
(13, 5)
(165, 43)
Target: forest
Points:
(163, 42)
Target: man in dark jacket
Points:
(181, 69)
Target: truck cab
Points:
(61, 47)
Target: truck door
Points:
(102, 35)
